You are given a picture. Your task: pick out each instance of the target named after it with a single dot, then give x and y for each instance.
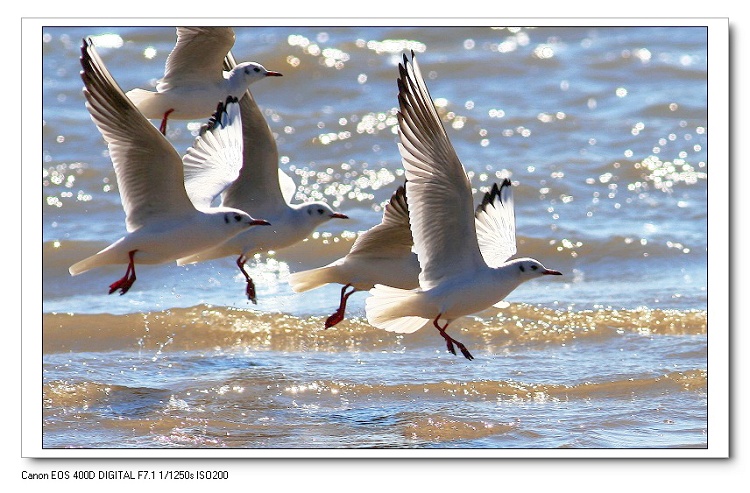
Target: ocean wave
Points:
(209, 327)
(168, 418)
(695, 380)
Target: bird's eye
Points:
(320, 211)
(533, 267)
(257, 69)
(237, 217)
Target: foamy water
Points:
(604, 133)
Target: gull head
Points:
(319, 212)
(249, 72)
(236, 220)
(529, 268)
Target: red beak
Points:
(549, 272)
(338, 215)
(271, 73)
(259, 222)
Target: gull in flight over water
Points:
(162, 223)
(384, 253)
(261, 189)
(381, 255)
(462, 252)
(194, 80)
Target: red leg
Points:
(127, 280)
(338, 315)
(449, 341)
(163, 126)
(250, 288)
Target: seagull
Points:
(384, 254)
(261, 189)
(381, 255)
(193, 79)
(464, 266)
(162, 223)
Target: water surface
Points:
(603, 131)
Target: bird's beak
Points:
(271, 73)
(550, 272)
(338, 215)
(259, 222)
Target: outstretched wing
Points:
(496, 225)
(392, 237)
(148, 169)
(213, 162)
(441, 210)
(259, 182)
(198, 56)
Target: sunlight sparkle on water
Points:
(372, 123)
(664, 174)
(544, 51)
(396, 46)
(643, 54)
(107, 40)
(331, 57)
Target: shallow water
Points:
(604, 133)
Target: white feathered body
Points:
(288, 226)
(188, 101)
(362, 273)
(463, 295)
(167, 240)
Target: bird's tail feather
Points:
(137, 95)
(387, 306)
(107, 256)
(84, 265)
(103, 257)
(310, 279)
(146, 102)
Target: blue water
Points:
(604, 131)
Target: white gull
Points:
(261, 189)
(162, 223)
(194, 80)
(384, 253)
(381, 255)
(463, 267)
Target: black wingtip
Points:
(397, 205)
(215, 118)
(221, 108)
(84, 48)
(402, 70)
(400, 194)
(495, 193)
(230, 99)
(86, 59)
(87, 44)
